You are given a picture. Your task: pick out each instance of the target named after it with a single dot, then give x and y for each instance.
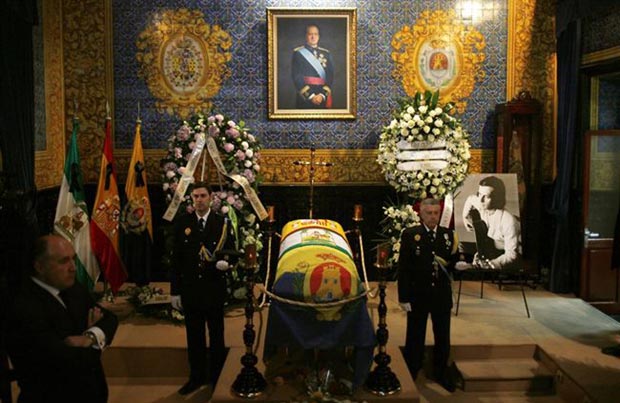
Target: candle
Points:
(250, 255)
(357, 212)
(270, 213)
(383, 250)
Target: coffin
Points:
(320, 301)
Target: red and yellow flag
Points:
(104, 225)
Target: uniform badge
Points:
(188, 231)
(417, 237)
(447, 238)
(417, 250)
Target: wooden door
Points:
(599, 284)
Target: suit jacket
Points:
(48, 370)
(200, 284)
(416, 281)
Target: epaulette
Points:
(298, 48)
(323, 49)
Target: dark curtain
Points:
(564, 264)
(18, 198)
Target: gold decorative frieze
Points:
(349, 167)
(183, 60)
(439, 53)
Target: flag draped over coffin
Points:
(136, 219)
(316, 267)
(71, 220)
(106, 216)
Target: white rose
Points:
(426, 129)
(431, 137)
(411, 124)
(402, 124)
(436, 181)
(433, 190)
(416, 118)
(249, 153)
(426, 182)
(415, 131)
(438, 110)
(428, 120)
(432, 113)
(406, 117)
(245, 145)
(410, 109)
(247, 163)
(170, 174)
(404, 131)
(422, 109)
(439, 123)
(166, 186)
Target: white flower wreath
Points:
(424, 151)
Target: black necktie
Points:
(431, 235)
(201, 223)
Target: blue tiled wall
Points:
(244, 96)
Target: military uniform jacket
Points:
(313, 73)
(200, 284)
(419, 283)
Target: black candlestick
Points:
(381, 380)
(250, 382)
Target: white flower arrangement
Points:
(396, 220)
(421, 123)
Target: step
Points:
(144, 362)
(506, 374)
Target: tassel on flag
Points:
(104, 227)
(71, 220)
(137, 223)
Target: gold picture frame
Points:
(326, 74)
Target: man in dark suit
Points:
(426, 259)
(198, 286)
(56, 331)
(313, 72)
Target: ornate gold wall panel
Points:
(48, 163)
(88, 77)
(532, 66)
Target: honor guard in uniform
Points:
(198, 285)
(313, 72)
(427, 257)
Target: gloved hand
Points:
(405, 306)
(222, 265)
(461, 265)
(175, 301)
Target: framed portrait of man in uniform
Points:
(312, 63)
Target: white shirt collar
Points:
(52, 290)
(428, 229)
(204, 216)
